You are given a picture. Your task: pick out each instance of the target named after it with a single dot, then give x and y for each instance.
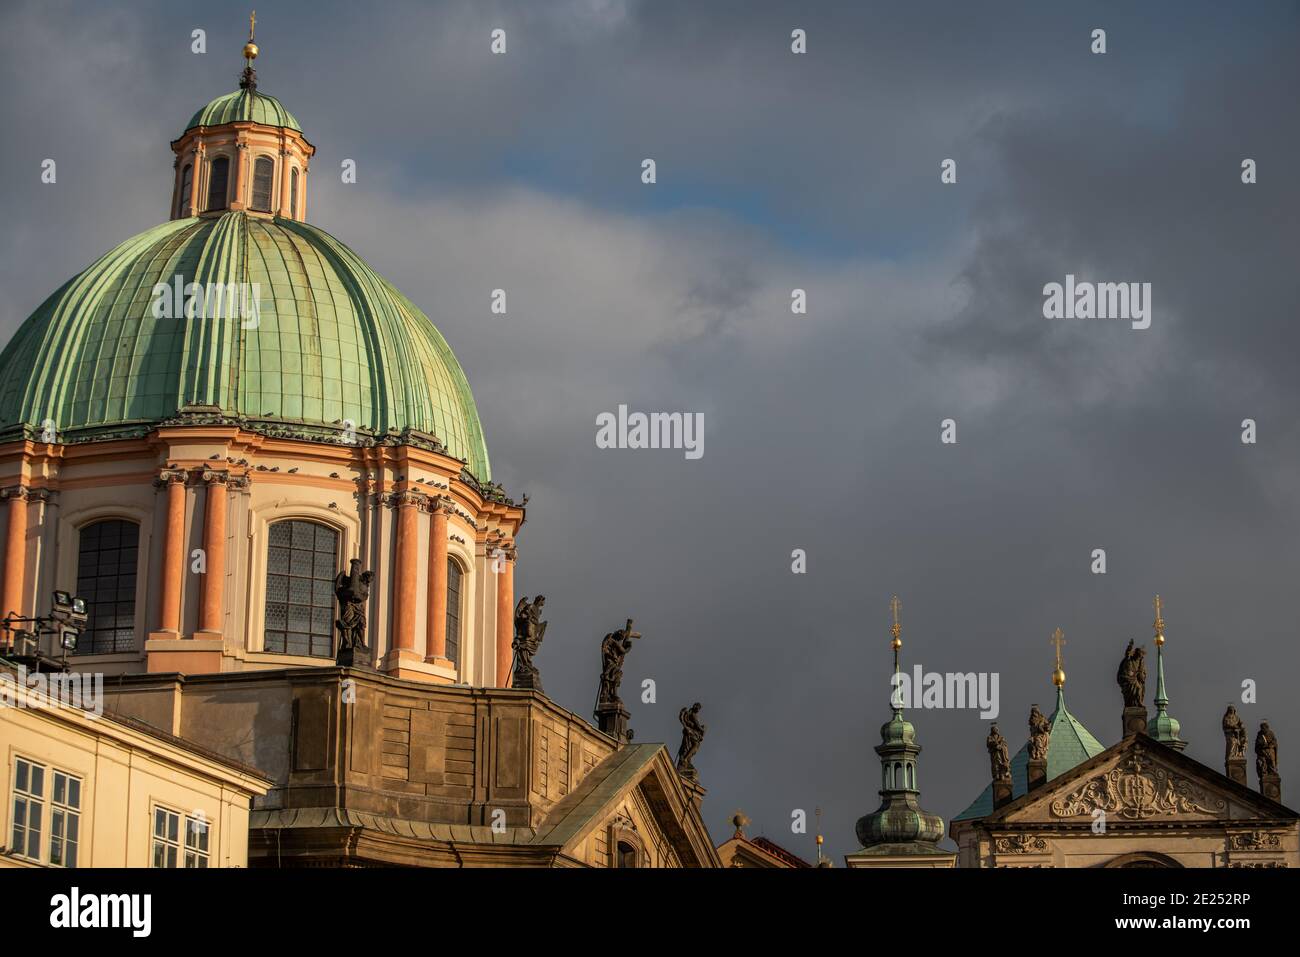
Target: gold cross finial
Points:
(895, 606)
(252, 25)
(1058, 676)
(1159, 622)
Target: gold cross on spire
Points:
(895, 606)
(1058, 676)
(252, 25)
(1159, 622)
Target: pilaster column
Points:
(285, 211)
(15, 550)
(215, 511)
(241, 177)
(505, 610)
(408, 505)
(436, 631)
(199, 155)
(173, 559)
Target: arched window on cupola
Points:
(263, 178)
(218, 180)
(187, 184)
(301, 560)
(293, 194)
(107, 558)
(911, 776)
(455, 580)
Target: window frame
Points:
(30, 799)
(455, 625)
(86, 643)
(258, 161)
(71, 814)
(172, 844)
(330, 637)
(212, 169)
(183, 200)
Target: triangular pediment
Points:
(1139, 780)
(637, 793)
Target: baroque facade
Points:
(1065, 800)
(229, 423)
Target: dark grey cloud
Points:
(821, 432)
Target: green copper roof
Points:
(333, 342)
(1070, 744)
(244, 106)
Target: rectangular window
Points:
(65, 819)
(263, 175)
(196, 842)
(166, 837)
(28, 808)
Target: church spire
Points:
(1164, 728)
(896, 699)
(899, 820)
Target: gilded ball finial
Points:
(1159, 623)
(250, 48)
(896, 629)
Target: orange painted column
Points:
(436, 632)
(173, 562)
(214, 548)
(285, 211)
(192, 200)
(505, 617)
(241, 156)
(404, 588)
(15, 551)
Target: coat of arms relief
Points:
(1137, 788)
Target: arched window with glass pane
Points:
(455, 580)
(263, 177)
(293, 193)
(218, 178)
(301, 561)
(187, 184)
(107, 558)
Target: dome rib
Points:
(334, 341)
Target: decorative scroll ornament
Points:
(1255, 841)
(1137, 789)
(1020, 844)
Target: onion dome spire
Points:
(1165, 727)
(248, 81)
(900, 824)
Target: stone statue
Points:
(529, 631)
(998, 756)
(1132, 676)
(352, 589)
(1234, 734)
(1265, 750)
(613, 649)
(1040, 735)
(692, 735)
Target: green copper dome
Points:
(1070, 744)
(244, 106)
(330, 344)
